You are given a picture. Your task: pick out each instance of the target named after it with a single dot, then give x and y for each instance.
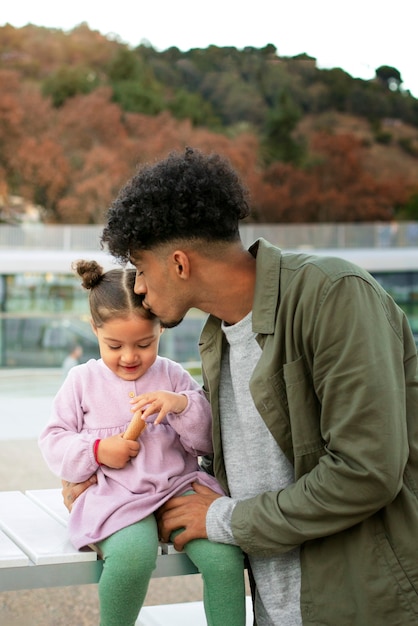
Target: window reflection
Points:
(403, 287)
(44, 314)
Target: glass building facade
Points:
(43, 315)
(44, 311)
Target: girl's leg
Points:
(129, 560)
(222, 569)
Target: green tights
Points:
(130, 558)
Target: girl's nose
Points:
(129, 356)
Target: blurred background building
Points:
(44, 310)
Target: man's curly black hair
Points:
(187, 195)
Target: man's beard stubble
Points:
(171, 324)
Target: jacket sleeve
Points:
(67, 451)
(352, 339)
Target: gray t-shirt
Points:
(254, 464)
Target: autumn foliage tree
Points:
(11, 116)
(334, 187)
(79, 112)
(80, 155)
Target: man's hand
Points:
(188, 512)
(71, 491)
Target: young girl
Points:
(84, 436)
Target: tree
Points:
(287, 194)
(279, 143)
(134, 85)
(339, 85)
(186, 105)
(11, 119)
(124, 65)
(116, 107)
(389, 76)
(67, 82)
(86, 121)
(335, 187)
(348, 191)
(410, 209)
(94, 186)
(44, 172)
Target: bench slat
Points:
(35, 550)
(10, 554)
(40, 536)
(51, 501)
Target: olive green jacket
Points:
(337, 386)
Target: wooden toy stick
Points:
(136, 426)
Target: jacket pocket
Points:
(408, 594)
(304, 413)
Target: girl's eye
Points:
(114, 347)
(145, 346)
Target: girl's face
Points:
(129, 346)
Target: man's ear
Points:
(181, 261)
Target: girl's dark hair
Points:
(111, 293)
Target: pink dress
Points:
(93, 403)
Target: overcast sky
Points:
(357, 36)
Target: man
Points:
(72, 359)
(311, 371)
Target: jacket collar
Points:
(266, 294)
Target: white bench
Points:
(35, 550)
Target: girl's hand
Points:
(116, 451)
(161, 402)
